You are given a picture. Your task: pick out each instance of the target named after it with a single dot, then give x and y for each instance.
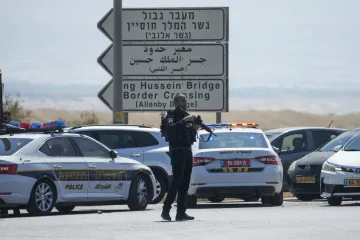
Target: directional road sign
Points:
(170, 24)
(157, 95)
(170, 60)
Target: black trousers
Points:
(181, 161)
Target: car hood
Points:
(315, 158)
(346, 158)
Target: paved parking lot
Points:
(229, 220)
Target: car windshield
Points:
(353, 144)
(342, 139)
(9, 146)
(271, 135)
(233, 140)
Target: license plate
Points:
(352, 182)
(305, 179)
(236, 163)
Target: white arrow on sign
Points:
(106, 94)
(105, 25)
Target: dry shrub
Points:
(15, 107)
(86, 118)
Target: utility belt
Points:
(179, 148)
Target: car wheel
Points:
(277, 199)
(160, 188)
(266, 200)
(42, 198)
(303, 197)
(138, 194)
(216, 199)
(334, 201)
(191, 201)
(65, 209)
(253, 199)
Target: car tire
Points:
(266, 200)
(138, 193)
(305, 197)
(251, 199)
(161, 184)
(216, 199)
(42, 198)
(191, 201)
(334, 201)
(65, 209)
(277, 199)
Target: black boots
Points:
(166, 214)
(179, 216)
(183, 217)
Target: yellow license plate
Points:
(305, 179)
(352, 182)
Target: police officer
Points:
(181, 135)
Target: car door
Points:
(106, 175)
(321, 137)
(122, 141)
(293, 146)
(68, 166)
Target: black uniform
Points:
(181, 135)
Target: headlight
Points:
(330, 167)
(292, 167)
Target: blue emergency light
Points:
(59, 123)
(16, 124)
(36, 125)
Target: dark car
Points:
(294, 143)
(303, 175)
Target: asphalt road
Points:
(229, 220)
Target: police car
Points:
(239, 162)
(45, 168)
(340, 174)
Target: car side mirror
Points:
(113, 154)
(337, 148)
(276, 149)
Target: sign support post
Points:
(118, 115)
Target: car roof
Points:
(37, 135)
(114, 127)
(233, 129)
(286, 129)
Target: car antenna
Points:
(330, 123)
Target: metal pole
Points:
(1, 100)
(218, 117)
(118, 115)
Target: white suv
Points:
(138, 142)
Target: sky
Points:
(302, 55)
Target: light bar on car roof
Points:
(232, 125)
(52, 124)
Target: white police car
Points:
(239, 162)
(43, 168)
(340, 174)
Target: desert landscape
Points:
(265, 119)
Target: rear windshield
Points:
(9, 146)
(342, 139)
(233, 140)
